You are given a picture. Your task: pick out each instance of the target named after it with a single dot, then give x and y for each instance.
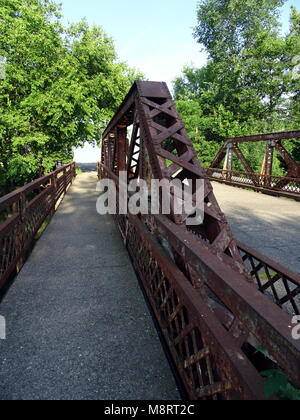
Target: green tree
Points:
(227, 27)
(247, 85)
(61, 86)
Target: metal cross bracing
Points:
(210, 295)
(265, 182)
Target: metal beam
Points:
(285, 135)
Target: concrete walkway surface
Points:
(78, 326)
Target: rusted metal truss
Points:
(22, 214)
(265, 182)
(216, 301)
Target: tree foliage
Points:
(61, 86)
(227, 27)
(248, 85)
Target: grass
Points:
(42, 228)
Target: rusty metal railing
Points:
(23, 212)
(267, 184)
(209, 315)
(273, 280)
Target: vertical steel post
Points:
(269, 163)
(65, 180)
(54, 188)
(121, 140)
(227, 174)
(20, 208)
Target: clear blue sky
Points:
(154, 36)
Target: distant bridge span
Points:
(77, 323)
(265, 182)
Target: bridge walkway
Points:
(78, 326)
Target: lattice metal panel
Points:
(36, 212)
(186, 335)
(10, 248)
(282, 287)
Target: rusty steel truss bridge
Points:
(216, 300)
(265, 182)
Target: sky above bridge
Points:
(154, 36)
